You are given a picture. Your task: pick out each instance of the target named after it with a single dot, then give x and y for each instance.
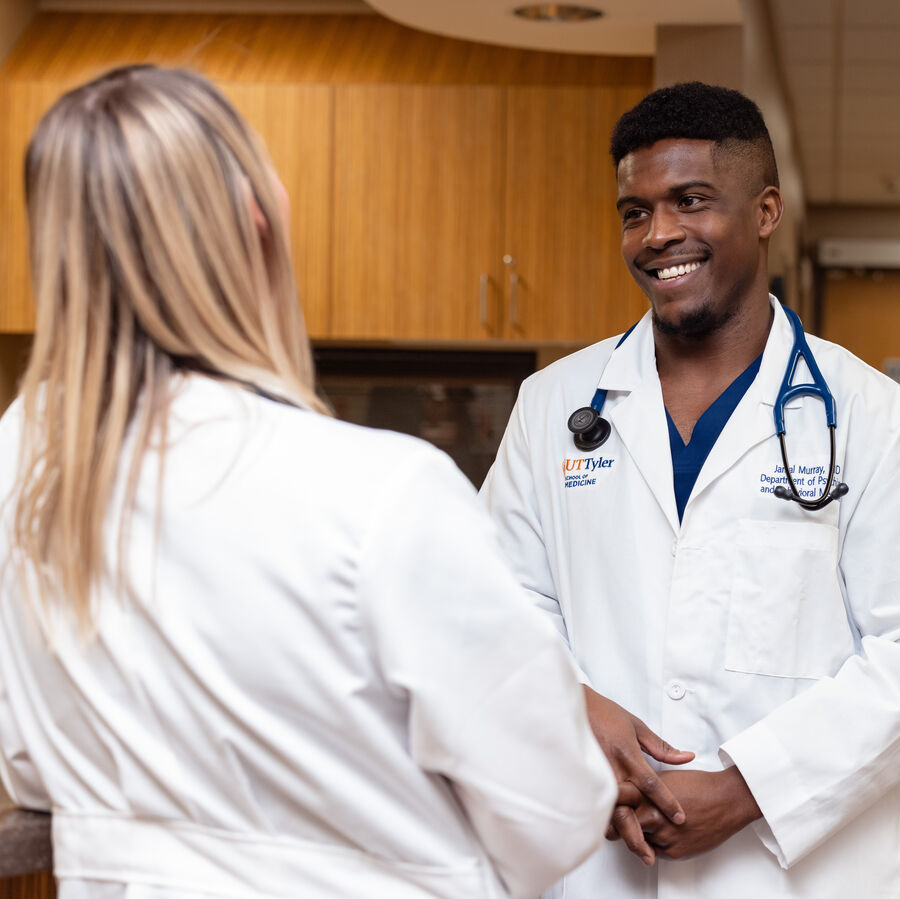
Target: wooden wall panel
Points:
(333, 49)
(862, 313)
(23, 104)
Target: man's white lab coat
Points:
(753, 633)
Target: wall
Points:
(14, 16)
(861, 311)
(743, 58)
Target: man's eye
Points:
(689, 201)
(630, 215)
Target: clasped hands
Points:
(671, 814)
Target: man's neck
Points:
(694, 372)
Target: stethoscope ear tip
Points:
(840, 489)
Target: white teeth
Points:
(665, 274)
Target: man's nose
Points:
(664, 228)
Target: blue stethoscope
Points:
(590, 430)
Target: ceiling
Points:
(838, 60)
(626, 27)
(842, 73)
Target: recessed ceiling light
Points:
(557, 12)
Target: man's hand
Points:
(625, 738)
(717, 805)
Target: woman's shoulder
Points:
(276, 438)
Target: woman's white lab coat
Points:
(754, 632)
(322, 682)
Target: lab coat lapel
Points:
(639, 417)
(752, 421)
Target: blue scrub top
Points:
(688, 460)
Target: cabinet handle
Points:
(510, 262)
(514, 299)
(483, 299)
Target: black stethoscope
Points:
(590, 430)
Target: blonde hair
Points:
(146, 259)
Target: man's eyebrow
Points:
(675, 190)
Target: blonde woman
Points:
(247, 650)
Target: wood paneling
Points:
(22, 104)
(862, 313)
(333, 49)
(418, 211)
(561, 224)
(32, 886)
(401, 158)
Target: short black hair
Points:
(693, 110)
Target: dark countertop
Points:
(24, 842)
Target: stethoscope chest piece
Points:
(589, 427)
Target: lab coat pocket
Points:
(786, 615)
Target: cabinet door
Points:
(562, 229)
(418, 205)
(23, 103)
(293, 119)
(295, 122)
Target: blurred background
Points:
(452, 196)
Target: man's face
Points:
(692, 226)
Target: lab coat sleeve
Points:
(494, 701)
(509, 496)
(18, 777)
(827, 755)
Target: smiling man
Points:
(759, 634)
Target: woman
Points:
(247, 650)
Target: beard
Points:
(695, 325)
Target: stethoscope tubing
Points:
(590, 430)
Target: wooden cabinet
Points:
(23, 104)
(478, 213)
(561, 226)
(418, 187)
(415, 164)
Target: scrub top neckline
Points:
(688, 459)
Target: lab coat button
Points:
(675, 690)
(675, 548)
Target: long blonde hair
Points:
(146, 258)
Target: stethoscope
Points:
(590, 430)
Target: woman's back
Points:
(308, 682)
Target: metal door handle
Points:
(483, 299)
(514, 299)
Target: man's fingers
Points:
(629, 794)
(653, 787)
(626, 823)
(651, 820)
(656, 747)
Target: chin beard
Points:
(694, 326)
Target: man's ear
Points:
(771, 207)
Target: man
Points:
(755, 632)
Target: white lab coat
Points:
(753, 633)
(323, 682)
